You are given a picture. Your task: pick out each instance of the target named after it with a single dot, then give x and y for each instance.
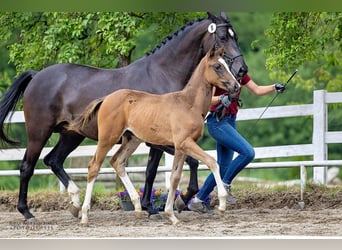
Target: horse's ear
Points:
(211, 16)
(224, 16)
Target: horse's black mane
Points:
(170, 37)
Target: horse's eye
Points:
(223, 38)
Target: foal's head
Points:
(218, 73)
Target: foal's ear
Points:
(212, 51)
(220, 51)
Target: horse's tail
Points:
(10, 100)
(88, 114)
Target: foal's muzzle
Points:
(233, 87)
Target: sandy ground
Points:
(253, 215)
(240, 222)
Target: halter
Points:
(212, 29)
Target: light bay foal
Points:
(171, 119)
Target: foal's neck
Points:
(198, 91)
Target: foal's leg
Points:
(119, 161)
(176, 173)
(191, 148)
(182, 200)
(93, 170)
(156, 153)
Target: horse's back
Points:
(66, 89)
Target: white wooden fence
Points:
(318, 149)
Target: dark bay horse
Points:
(175, 118)
(53, 97)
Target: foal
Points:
(171, 119)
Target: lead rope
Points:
(293, 74)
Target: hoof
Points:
(155, 217)
(217, 211)
(150, 210)
(179, 204)
(84, 224)
(175, 221)
(31, 220)
(138, 214)
(221, 208)
(74, 210)
(222, 204)
(172, 218)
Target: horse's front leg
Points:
(119, 161)
(177, 168)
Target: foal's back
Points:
(152, 118)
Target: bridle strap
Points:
(229, 60)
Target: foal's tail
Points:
(10, 100)
(88, 114)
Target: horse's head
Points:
(218, 73)
(222, 33)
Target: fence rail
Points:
(318, 149)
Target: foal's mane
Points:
(175, 34)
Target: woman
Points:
(221, 124)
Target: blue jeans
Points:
(228, 141)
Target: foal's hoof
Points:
(138, 214)
(74, 210)
(179, 204)
(174, 220)
(84, 224)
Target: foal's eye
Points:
(217, 66)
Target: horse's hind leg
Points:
(177, 168)
(34, 147)
(68, 141)
(119, 161)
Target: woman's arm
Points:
(259, 90)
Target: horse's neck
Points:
(198, 91)
(179, 56)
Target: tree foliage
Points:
(311, 40)
(102, 39)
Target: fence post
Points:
(318, 137)
(302, 181)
